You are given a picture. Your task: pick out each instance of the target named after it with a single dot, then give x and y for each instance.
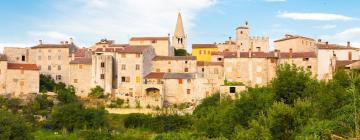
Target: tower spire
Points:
(179, 38)
(179, 29)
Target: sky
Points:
(23, 23)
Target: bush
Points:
(97, 92)
(135, 120)
(13, 127)
(180, 52)
(116, 103)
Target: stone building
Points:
(174, 64)
(245, 42)
(80, 76)
(202, 52)
(160, 44)
(18, 79)
(295, 43)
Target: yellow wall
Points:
(203, 54)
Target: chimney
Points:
(348, 44)
(61, 42)
(229, 40)
(40, 42)
(276, 53)
(319, 40)
(66, 42)
(71, 40)
(290, 52)
(250, 53)
(327, 43)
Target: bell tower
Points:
(179, 38)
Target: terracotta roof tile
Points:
(22, 66)
(159, 58)
(53, 46)
(148, 38)
(204, 46)
(270, 54)
(127, 49)
(81, 61)
(155, 75)
(289, 37)
(334, 46)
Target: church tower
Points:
(179, 38)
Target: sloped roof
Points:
(148, 38)
(53, 46)
(179, 29)
(127, 49)
(335, 47)
(22, 66)
(270, 54)
(159, 58)
(289, 37)
(81, 61)
(204, 46)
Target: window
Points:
(153, 41)
(258, 49)
(188, 91)
(59, 57)
(59, 67)
(102, 76)
(241, 32)
(203, 69)
(123, 67)
(49, 57)
(49, 51)
(39, 57)
(137, 55)
(58, 77)
(186, 62)
(169, 62)
(350, 56)
(169, 70)
(59, 50)
(80, 66)
(125, 79)
(75, 80)
(188, 81)
(186, 69)
(180, 81)
(23, 58)
(102, 64)
(305, 59)
(309, 67)
(138, 79)
(232, 89)
(123, 55)
(216, 71)
(22, 72)
(137, 67)
(219, 59)
(22, 83)
(49, 68)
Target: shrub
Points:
(97, 92)
(13, 127)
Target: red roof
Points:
(148, 38)
(53, 46)
(81, 61)
(270, 54)
(334, 46)
(22, 66)
(127, 49)
(204, 46)
(155, 75)
(289, 37)
(159, 58)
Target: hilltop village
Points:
(156, 72)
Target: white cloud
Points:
(351, 34)
(314, 16)
(327, 26)
(90, 20)
(275, 0)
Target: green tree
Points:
(46, 83)
(66, 95)
(13, 127)
(180, 52)
(290, 83)
(97, 92)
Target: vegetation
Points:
(97, 92)
(180, 52)
(232, 83)
(294, 106)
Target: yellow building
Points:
(203, 51)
